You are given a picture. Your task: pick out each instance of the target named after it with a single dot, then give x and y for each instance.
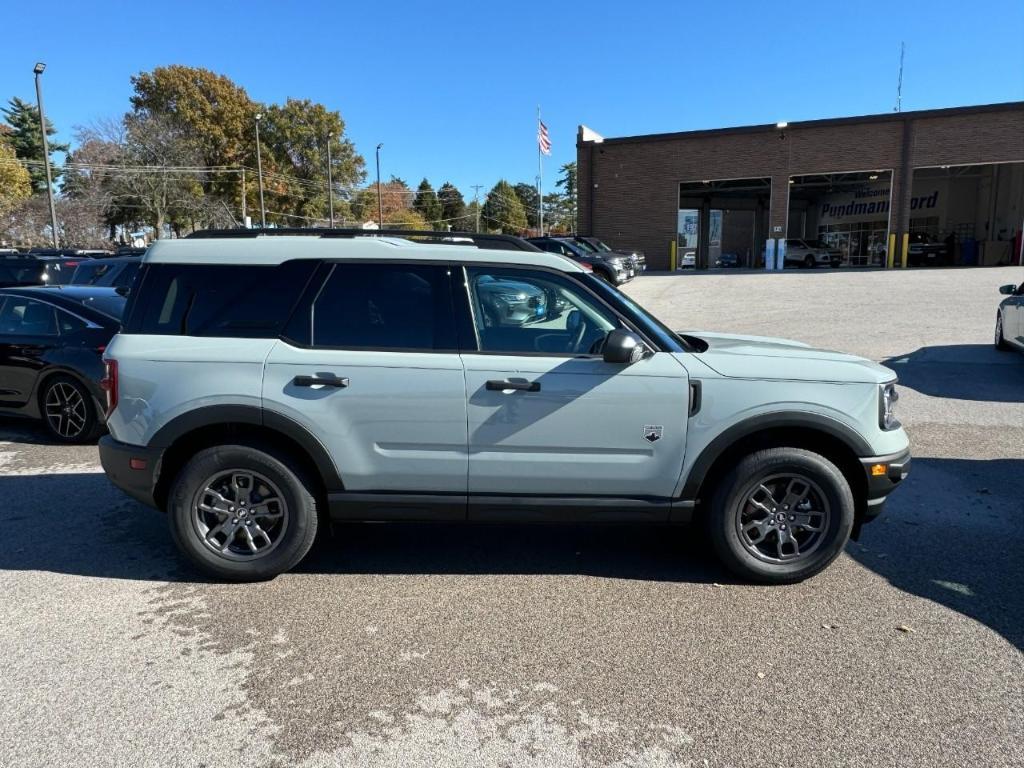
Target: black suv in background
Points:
(637, 258)
(611, 267)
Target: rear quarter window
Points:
(235, 301)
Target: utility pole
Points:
(476, 199)
(38, 69)
(245, 212)
(330, 178)
(380, 204)
(259, 170)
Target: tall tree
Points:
(453, 207)
(210, 110)
(503, 211)
(163, 196)
(527, 194)
(567, 182)
(26, 139)
(396, 198)
(294, 139)
(428, 205)
(15, 181)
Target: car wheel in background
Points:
(68, 412)
(809, 261)
(999, 338)
(781, 515)
(241, 513)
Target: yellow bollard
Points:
(672, 256)
(890, 254)
(904, 252)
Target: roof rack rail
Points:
(495, 242)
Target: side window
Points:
(403, 307)
(232, 301)
(69, 323)
(533, 312)
(24, 317)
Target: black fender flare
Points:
(781, 420)
(212, 415)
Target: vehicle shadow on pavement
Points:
(82, 525)
(962, 372)
(951, 534)
(644, 552)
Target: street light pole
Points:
(380, 203)
(259, 170)
(330, 179)
(38, 69)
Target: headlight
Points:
(887, 398)
(616, 261)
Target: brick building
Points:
(950, 178)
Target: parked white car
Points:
(806, 254)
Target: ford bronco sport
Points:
(263, 384)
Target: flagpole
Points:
(540, 179)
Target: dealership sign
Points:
(871, 202)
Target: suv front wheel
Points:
(781, 515)
(242, 514)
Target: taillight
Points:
(586, 267)
(109, 385)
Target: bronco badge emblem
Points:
(652, 432)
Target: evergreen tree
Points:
(527, 194)
(453, 207)
(27, 141)
(503, 211)
(428, 206)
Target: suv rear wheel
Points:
(781, 515)
(241, 513)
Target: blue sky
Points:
(452, 87)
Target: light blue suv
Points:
(263, 384)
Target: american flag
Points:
(543, 140)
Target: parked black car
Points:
(115, 272)
(926, 252)
(610, 267)
(51, 346)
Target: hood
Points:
(761, 357)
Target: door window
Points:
(402, 307)
(24, 317)
(531, 312)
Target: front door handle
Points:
(497, 385)
(328, 381)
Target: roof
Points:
(272, 250)
(884, 117)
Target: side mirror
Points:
(1008, 290)
(622, 347)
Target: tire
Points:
(289, 526)
(601, 274)
(733, 511)
(1000, 339)
(68, 412)
(809, 262)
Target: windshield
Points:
(665, 336)
(584, 246)
(598, 244)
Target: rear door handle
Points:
(497, 385)
(328, 381)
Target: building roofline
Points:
(885, 117)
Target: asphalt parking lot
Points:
(517, 646)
